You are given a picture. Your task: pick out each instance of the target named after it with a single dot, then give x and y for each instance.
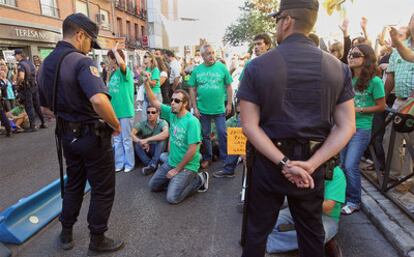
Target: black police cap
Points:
(87, 25)
(17, 51)
(295, 4)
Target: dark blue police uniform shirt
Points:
(78, 81)
(28, 68)
(287, 84)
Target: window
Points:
(143, 31)
(103, 19)
(119, 25)
(136, 31)
(48, 8)
(128, 36)
(8, 2)
(82, 7)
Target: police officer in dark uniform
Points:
(294, 99)
(81, 103)
(28, 90)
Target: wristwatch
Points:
(283, 162)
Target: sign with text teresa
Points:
(236, 141)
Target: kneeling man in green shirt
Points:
(180, 173)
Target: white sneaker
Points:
(118, 170)
(204, 182)
(126, 170)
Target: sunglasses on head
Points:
(151, 112)
(355, 55)
(176, 100)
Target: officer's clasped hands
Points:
(298, 176)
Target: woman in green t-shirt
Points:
(121, 89)
(369, 98)
(151, 73)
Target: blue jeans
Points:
(350, 157)
(220, 120)
(284, 241)
(123, 147)
(178, 187)
(151, 157)
(230, 163)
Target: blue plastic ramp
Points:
(23, 219)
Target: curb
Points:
(4, 251)
(397, 228)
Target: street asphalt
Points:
(205, 225)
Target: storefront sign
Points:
(29, 34)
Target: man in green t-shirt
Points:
(150, 137)
(211, 98)
(283, 237)
(180, 172)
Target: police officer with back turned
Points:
(297, 111)
(85, 120)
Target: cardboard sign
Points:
(236, 141)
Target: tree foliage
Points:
(252, 21)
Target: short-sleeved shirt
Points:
(79, 80)
(211, 84)
(297, 88)
(145, 131)
(155, 75)
(184, 131)
(29, 70)
(374, 91)
(242, 73)
(121, 89)
(175, 71)
(335, 190)
(16, 111)
(403, 72)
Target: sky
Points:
(213, 16)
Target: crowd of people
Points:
(172, 119)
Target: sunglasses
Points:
(355, 55)
(151, 112)
(176, 100)
(282, 17)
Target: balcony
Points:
(8, 2)
(49, 10)
(120, 4)
(131, 8)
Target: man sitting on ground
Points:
(19, 117)
(180, 173)
(283, 237)
(150, 138)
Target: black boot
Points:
(100, 243)
(66, 239)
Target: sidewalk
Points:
(394, 224)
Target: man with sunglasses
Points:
(80, 101)
(296, 103)
(150, 137)
(180, 174)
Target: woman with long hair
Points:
(152, 74)
(121, 89)
(369, 99)
(165, 84)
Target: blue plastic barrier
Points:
(23, 219)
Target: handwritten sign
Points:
(236, 141)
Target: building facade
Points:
(35, 25)
(159, 12)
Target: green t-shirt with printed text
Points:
(184, 131)
(211, 85)
(121, 90)
(374, 91)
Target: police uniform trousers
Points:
(32, 104)
(267, 189)
(88, 158)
